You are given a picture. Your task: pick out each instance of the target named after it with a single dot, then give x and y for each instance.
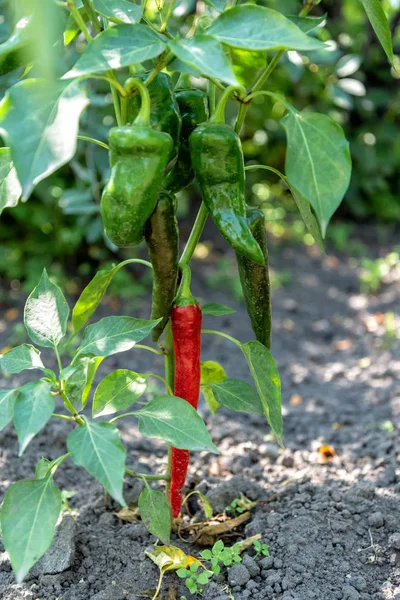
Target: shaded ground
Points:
(333, 529)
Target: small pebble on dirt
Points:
(238, 575)
(376, 519)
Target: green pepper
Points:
(193, 106)
(139, 156)
(217, 159)
(165, 115)
(162, 237)
(255, 281)
(17, 50)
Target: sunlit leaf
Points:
(211, 372)
(7, 401)
(118, 391)
(380, 25)
(32, 409)
(118, 11)
(10, 187)
(21, 358)
(39, 120)
(238, 396)
(155, 513)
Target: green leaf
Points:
(114, 334)
(306, 214)
(216, 310)
(211, 372)
(50, 112)
(118, 11)
(266, 377)
(28, 521)
(10, 187)
(97, 448)
(21, 358)
(76, 378)
(46, 314)
(118, 391)
(117, 47)
(91, 296)
(92, 367)
(197, 51)
(307, 24)
(238, 396)
(7, 401)
(33, 408)
(258, 28)
(380, 25)
(155, 514)
(176, 422)
(318, 163)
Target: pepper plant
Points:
(172, 70)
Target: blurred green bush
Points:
(60, 225)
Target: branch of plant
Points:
(79, 20)
(224, 335)
(148, 477)
(149, 348)
(194, 236)
(85, 138)
(165, 382)
(92, 15)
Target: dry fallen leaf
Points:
(326, 454)
(210, 533)
(295, 400)
(131, 515)
(372, 322)
(343, 345)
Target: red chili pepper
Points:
(186, 333)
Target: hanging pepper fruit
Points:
(218, 164)
(139, 156)
(186, 333)
(255, 281)
(193, 106)
(162, 237)
(165, 115)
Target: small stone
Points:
(359, 583)
(394, 541)
(60, 556)
(251, 565)
(274, 578)
(4, 562)
(238, 575)
(267, 562)
(350, 593)
(270, 451)
(278, 563)
(286, 460)
(376, 519)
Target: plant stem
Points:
(241, 117)
(165, 382)
(148, 477)
(92, 15)
(221, 334)
(68, 405)
(153, 350)
(79, 20)
(168, 15)
(219, 114)
(60, 367)
(65, 417)
(85, 138)
(169, 362)
(264, 76)
(194, 236)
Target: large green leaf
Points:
(258, 28)
(97, 448)
(28, 521)
(118, 11)
(49, 112)
(46, 313)
(117, 47)
(20, 359)
(266, 377)
(238, 396)
(114, 334)
(380, 25)
(33, 408)
(176, 422)
(155, 514)
(7, 401)
(318, 163)
(204, 54)
(118, 391)
(211, 372)
(10, 187)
